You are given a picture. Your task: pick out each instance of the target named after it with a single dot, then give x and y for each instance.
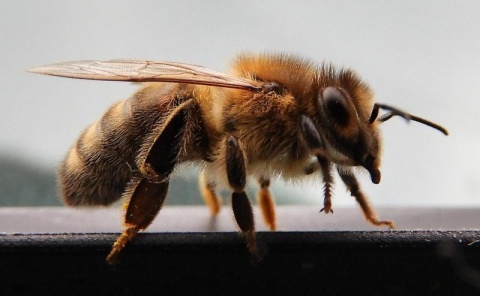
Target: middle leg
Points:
(237, 177)
(267, 203)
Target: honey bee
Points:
(274, 115)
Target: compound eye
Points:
(335, 104)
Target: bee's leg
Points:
(267, 203)
(148, 192)
(326, 167)
(242, 209)
(159, 152)
(207, 189)
(145, 203)
(352, 185)
(317, 147)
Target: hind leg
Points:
(145, 203)
(146, 194)
(207, 189)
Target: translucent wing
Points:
(144, 71)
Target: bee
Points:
(274, 116)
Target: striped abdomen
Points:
(102, 162)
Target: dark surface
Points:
(199, 219)
(295, 263)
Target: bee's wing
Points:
(144, 71)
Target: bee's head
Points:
(350, 139)
(347, 123)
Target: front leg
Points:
(237, 177)
(326, 168)
(317, 147)
(352, 185)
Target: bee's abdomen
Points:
(99, 165)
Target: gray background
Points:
(422, 56)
